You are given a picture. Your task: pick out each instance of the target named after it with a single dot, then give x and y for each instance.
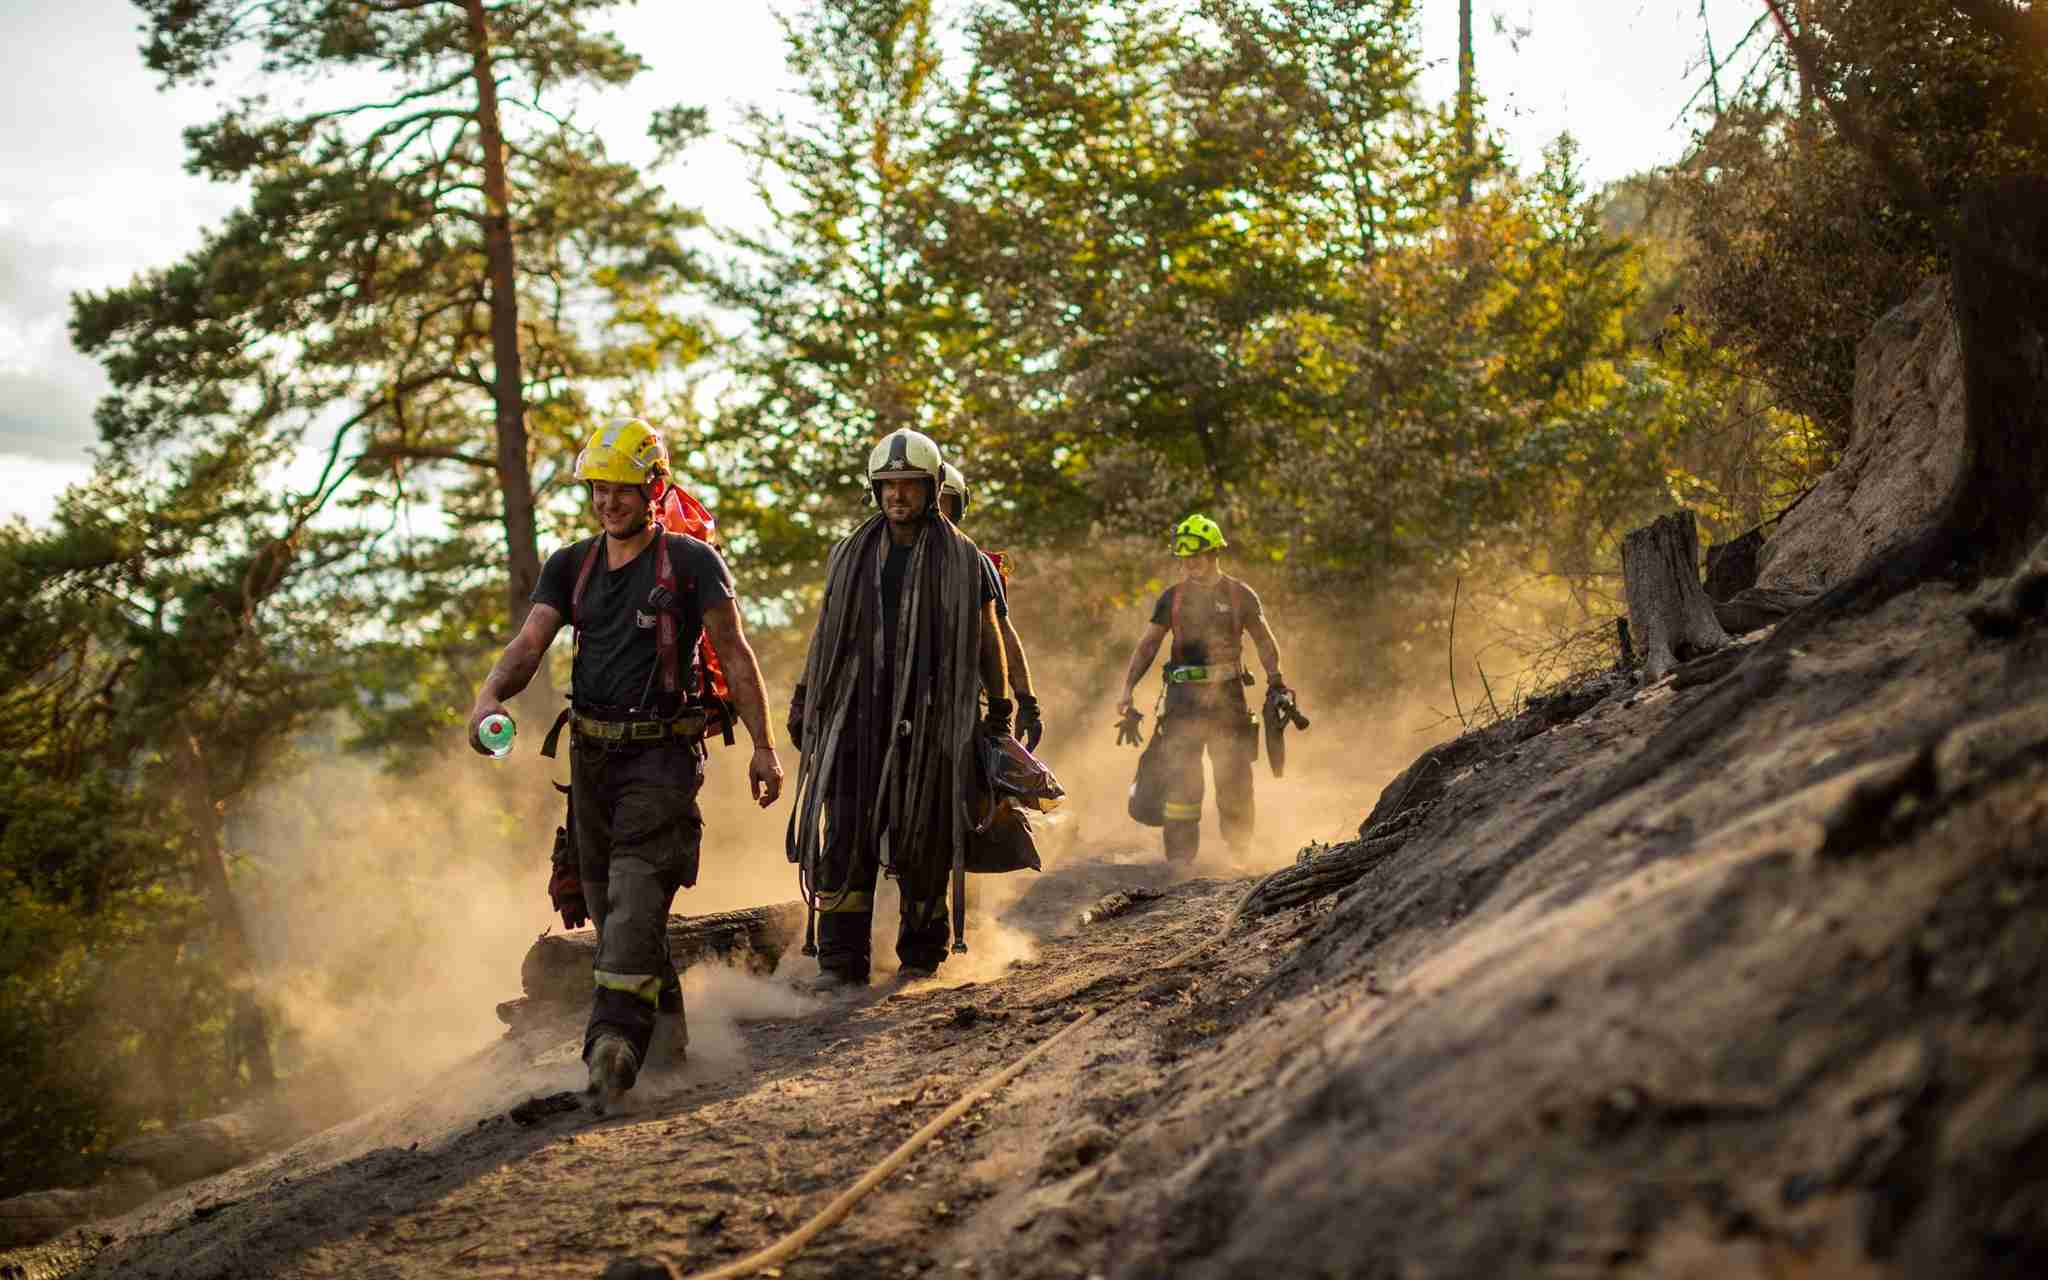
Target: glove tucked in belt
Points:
(565, 887)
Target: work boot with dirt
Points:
(613, 1067)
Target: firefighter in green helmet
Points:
(1203, 709)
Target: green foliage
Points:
(1128, 260)
(347, 311)
(847, 334)
(1803, 239)
(167, 638)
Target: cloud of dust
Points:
(717, 998)
(1365, 728)
(391, 912)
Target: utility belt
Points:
(688, 726)
(626, 728)
(1211, 673)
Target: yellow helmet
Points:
(1197, 534)
(625, 451)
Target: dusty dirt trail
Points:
(773, 1115)
(1771, 1010)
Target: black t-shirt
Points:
(617, 658)
(1210, 626)
(894, 567)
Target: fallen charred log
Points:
(557, 966)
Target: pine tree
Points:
(437, 273)
(846, 337)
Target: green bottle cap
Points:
(495, 733)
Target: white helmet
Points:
(906, 455)
(955, 483)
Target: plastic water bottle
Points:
(496, 735)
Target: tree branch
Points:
(423, 453)
(425, 91)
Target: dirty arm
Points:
(991, 652)
(515, 667)
(1269, 650)
(1013, 659)
(749, 695)
(1141, 662)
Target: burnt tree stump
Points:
(1669, 615)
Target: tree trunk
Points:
(557, 966)
(1669, 615)
(515, 479)
(1998, 511)
(1467, 126)
(248, 1030)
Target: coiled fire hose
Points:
(836, 1212)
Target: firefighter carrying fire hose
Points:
(1202, 706)
(639, 598)
(888, 714)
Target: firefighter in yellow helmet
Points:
(638, 597)
(1208, 614)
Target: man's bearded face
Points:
(621, 508)
(904, 501)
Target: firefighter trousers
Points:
(1216, 720)
(847, 875)
(639, 834)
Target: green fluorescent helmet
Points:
(1197, 534)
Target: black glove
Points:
(796, 719)
(1030, 727)
(1127, 729)
(997, 725)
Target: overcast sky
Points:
(93, 190)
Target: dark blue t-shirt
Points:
(616, 651)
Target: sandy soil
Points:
(1774, 1012)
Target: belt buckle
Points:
(645, 730)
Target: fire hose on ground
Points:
(836, 1212)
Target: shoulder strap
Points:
(1173, 619)
(1235, 590)
(665, 639)
(583, 576)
